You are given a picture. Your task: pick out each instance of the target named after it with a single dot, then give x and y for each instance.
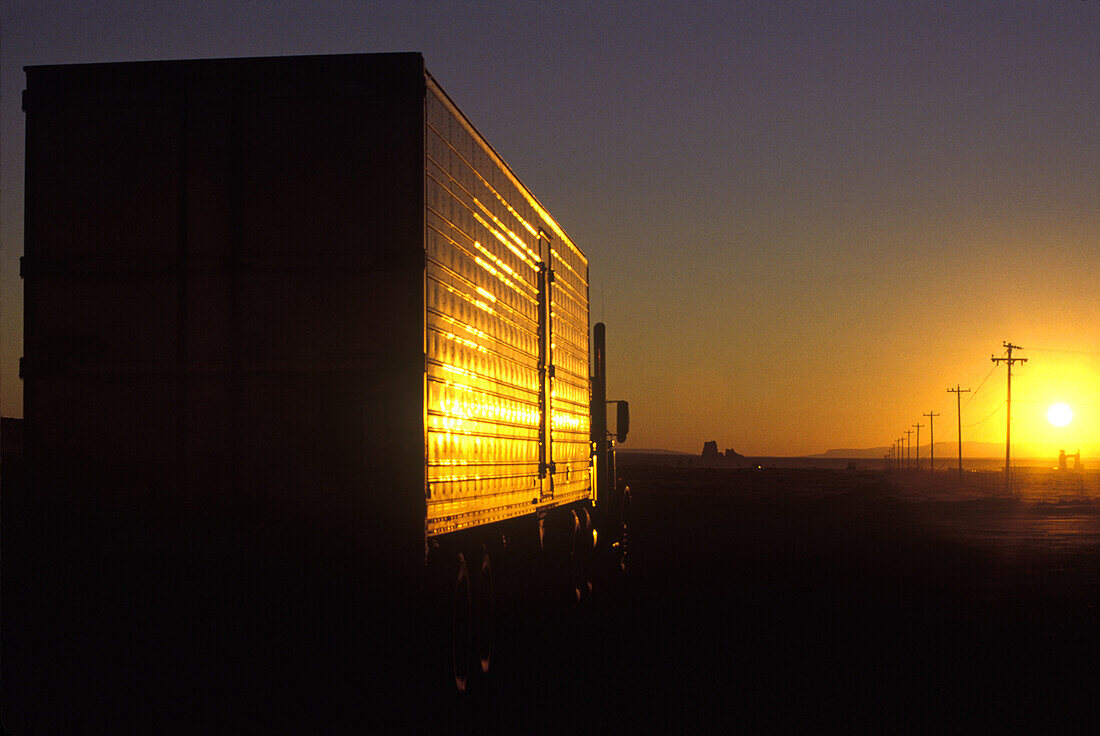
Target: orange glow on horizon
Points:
(1055, 397)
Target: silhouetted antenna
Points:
(958, 401)
(918, 425)
(931, 442)
(1008, 361)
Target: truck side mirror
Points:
(622, 420)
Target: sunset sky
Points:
(804, 221)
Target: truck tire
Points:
(588, 551)
(615, 554)
(485, 610)
(576, 550)
(546, 571)
(557, 561)
(624, 530)
(461, 625)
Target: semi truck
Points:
(306, 366)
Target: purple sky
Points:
(804, 220)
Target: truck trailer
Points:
(305, 362)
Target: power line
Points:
(1043, 401)
(979, 388)
(987, 417)
(1056, 350)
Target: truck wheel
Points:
(485, 611)
(576, 572)
(547, 577)
(461, 628)
(622, 546)
(582, 554)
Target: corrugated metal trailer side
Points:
(507, 337)
(295, 335)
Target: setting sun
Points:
(1059, 415)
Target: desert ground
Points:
(787, 599)
(777, 600)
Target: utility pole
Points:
(931, 442)
(1008, 360)
(918, 425)
(908, 446)
(959, 407)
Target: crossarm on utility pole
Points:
(1008, 360)
(958, 401)
(918, 425)
(931, 441)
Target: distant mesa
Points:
(711, 456)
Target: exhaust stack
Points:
(600, 447)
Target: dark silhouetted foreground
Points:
(760, 601)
